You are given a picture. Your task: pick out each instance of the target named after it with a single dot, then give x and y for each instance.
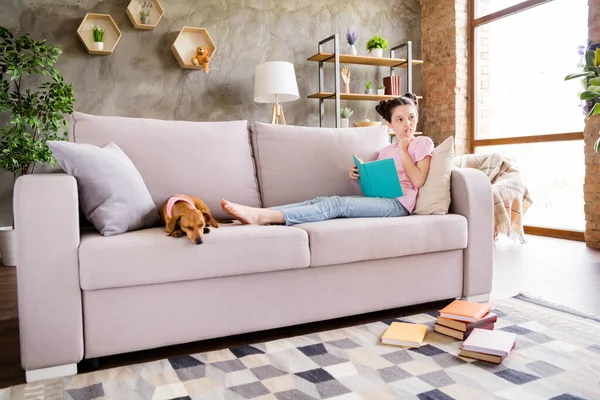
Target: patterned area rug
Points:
(557, 356)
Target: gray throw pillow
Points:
(112, 193)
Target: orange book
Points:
(462, 310)
(404, 334)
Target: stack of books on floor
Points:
(474, 323)
(459, 318)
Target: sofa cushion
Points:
(116, 201)
(346, 240)
(210, 160)
(149, 256)
(297, 163)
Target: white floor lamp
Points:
(275, 82)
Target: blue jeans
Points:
(323, 208)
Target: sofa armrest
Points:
(46, 213)
(472, 197)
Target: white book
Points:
(497, 343)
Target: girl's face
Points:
(404, 121)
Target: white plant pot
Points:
(378, 52)
(368, 91)
(8, 246)
(353, 49)
(345, 122)
(381, 92)
(99, 46)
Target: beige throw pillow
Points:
(434, 195)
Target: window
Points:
(525, 110)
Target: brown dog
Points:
(183, 214)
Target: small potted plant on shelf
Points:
(376, 45)
(98, 37)
(345, 113)
(145, 12)
(368, 88)
(381, 90)
(351, 39)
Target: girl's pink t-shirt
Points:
(418, 149)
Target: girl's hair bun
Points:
(381, 107)
(411, 96)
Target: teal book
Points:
(378, 178)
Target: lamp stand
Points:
(277, 113)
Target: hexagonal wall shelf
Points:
(133, 12)
(184, 46)
(112, 34)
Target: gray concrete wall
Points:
(143, 79)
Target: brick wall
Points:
(591, 187)
(444, 48)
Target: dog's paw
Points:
(177, 233)
(206, 230)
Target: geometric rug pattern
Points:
(557, 356)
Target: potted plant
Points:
(98, 37)
(351, 39)
(34, 114)
(590, 81)
(345, 113)
(381, 90)
(145, 12)
(376, 45)
(368, 88)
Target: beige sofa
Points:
(83, 295)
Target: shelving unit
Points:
(184, 46)
(323, 57)
(133, 13)
(112, 34)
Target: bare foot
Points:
(244, 214)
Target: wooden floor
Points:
(565, 272)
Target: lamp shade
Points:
(275, 81)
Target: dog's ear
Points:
(172, 224)
(209, 219)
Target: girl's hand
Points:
(403, 143)
(354, 172)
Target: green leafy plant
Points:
(368, 85)
(381, 87)
(346, 112)
(590, 81)
(145, 10)
(98, 33)
(377, 42)
(35, 115)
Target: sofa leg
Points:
(89, 364)
(59, 371)
(479, 298)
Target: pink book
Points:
(497, 343)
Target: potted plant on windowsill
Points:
(35, 115)
(376, 45)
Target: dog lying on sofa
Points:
(185, 215)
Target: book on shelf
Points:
(465, 326)
(462, 310)
(404, 334)
(495, 343)
(460, 335)
(378, 178)
(392, 85)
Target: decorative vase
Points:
(99, 46)
(145, 19)
(8, 246)
(344, 122)
(353, 49)
(378, 52)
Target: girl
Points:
(411, 154)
